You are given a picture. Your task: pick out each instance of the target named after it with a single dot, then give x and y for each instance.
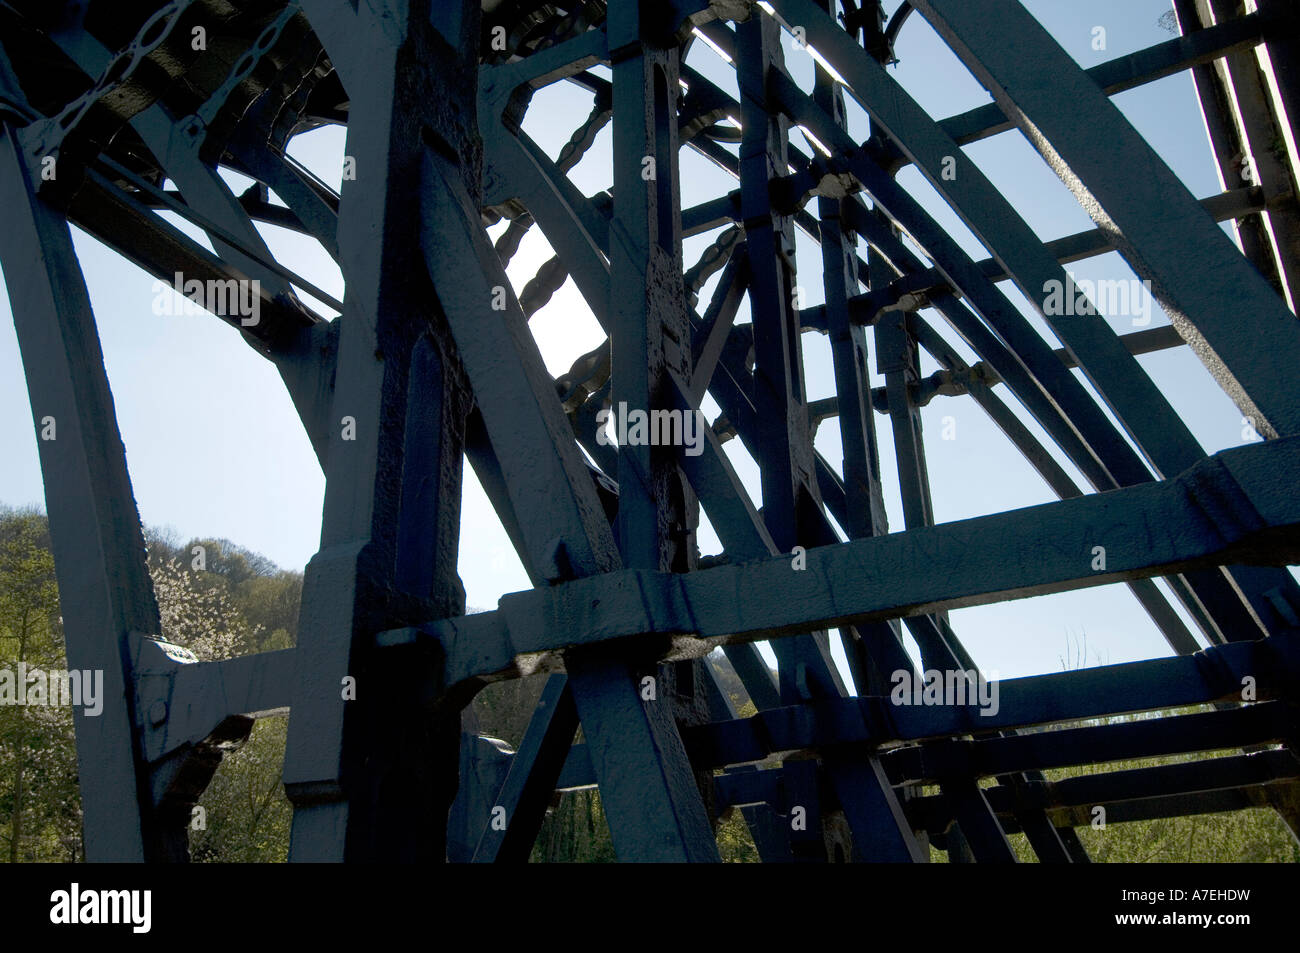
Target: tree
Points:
(203, 618)
(245, 816)
(37, 749)
(242, 603)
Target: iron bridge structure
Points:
(121, 117)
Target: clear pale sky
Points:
(215, 448)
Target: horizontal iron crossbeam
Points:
(1234, 507)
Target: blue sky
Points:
(215, 448)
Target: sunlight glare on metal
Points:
(825, 64)
(814, 141)
(804, 45)
(699, 35)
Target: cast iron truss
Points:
(433, 361)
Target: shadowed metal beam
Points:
(1070, 248)
(372, 778)
(1063, 392)
(1232, 507)
(1210, 675)
(515, 395)
(104, 588)
(390, 522)
(1267, 722)
(1138, 404)
(534, 771)
(564, 533)
(341, 30)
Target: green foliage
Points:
(247, 814)
(40, 808)
(240, 603)
(735, 845)
(1255, 835)
(575, 832)
(236, 592)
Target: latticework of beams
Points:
(433, 361)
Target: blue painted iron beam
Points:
(1223, 207)
(534, 772)
(1138, 404)
(571, 536)
(729, 744)
(1071, 801)
(1239, 727)
(95, 533)
(1233, 507)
